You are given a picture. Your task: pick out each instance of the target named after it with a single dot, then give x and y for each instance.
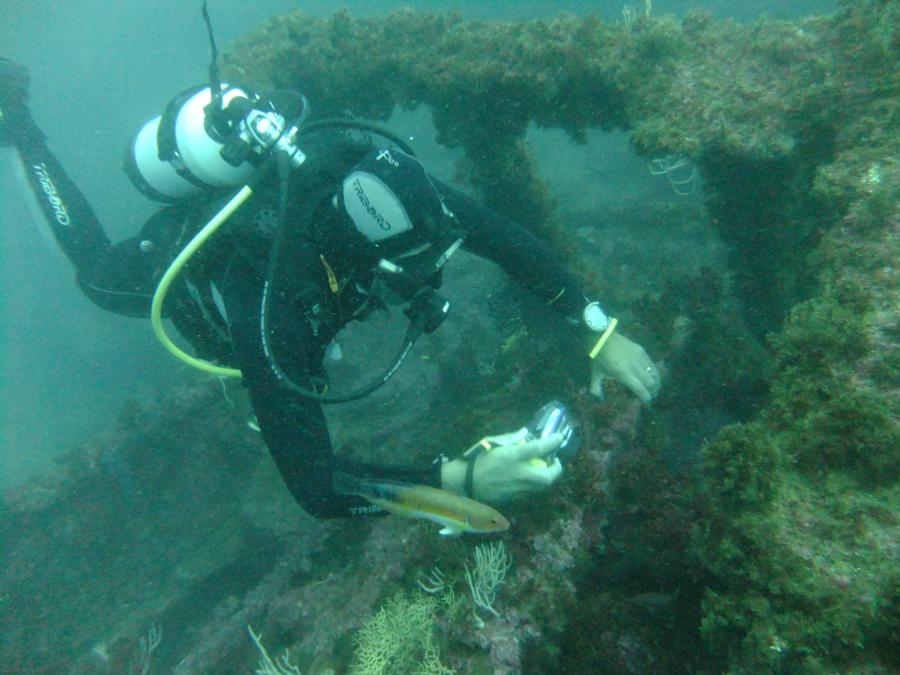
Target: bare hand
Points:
(508, 469)
(626, 362)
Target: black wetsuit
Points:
(215, 303)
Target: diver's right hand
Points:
(505, 467)
(13, 84)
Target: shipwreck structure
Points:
(773, 548)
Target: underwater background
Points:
(724, 175)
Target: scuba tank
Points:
(214, 138)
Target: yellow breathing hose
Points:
(175, 268)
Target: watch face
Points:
(595, 318)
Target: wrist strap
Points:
(469, 456)
(603, 338)
(470, 474)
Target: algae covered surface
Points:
(746, 522)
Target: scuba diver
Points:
(338, 215)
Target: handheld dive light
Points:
(553, 418)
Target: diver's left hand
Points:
(512, 467)
(626, 362)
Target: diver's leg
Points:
(67, 211)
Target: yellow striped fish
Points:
(455, 514)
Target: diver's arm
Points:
(527, 259)
(118, 278)
(532, 263)
(294, 427)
